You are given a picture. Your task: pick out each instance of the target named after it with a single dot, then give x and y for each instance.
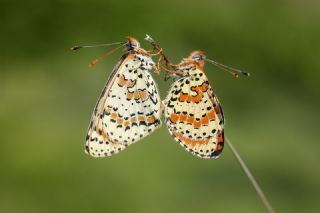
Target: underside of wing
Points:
(128, 109)
(194, 116)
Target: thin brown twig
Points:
(170, 67)
(156, 46)
(251, 178)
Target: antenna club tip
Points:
(246, 74)
(93, 63)
(75, 48)
(149, 38)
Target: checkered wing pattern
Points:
(193, 114)
(128, 108)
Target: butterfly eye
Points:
(133, 44)
(197, 56)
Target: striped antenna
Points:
(99, 45)
(232, 71)
(92, 63)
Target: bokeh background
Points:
(47, 95)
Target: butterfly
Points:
(128, 108)
(193, 113)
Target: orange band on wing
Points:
(114, 116)
(124, 82)
(205, 120)
(196, 99)
(138, 94)
(150, 119)
(190, 142)
(212, 115)
(174, 118)
(140, 118)
(119, 120)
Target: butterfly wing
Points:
(128, 108)
(194, 116)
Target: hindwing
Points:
(194, 116)
(128, 108)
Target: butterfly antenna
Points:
(232, 71)
(99, 45)
(251, 178)
(92, 63)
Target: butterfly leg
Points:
(155, 54)
(149, 52)
(171, 72)
(157, 66)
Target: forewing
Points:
(128, 109)
(194, 116)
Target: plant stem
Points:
(251, 178)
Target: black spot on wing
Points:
(177, 91)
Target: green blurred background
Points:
(48, 94)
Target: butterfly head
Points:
(132, 43)
(197, 57)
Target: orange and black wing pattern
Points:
(193, 114)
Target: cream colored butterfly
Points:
(129, 106)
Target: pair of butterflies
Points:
(129, 107)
